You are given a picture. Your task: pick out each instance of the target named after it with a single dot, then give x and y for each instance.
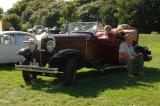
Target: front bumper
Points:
(34, 68)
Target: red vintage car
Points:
(66, 53)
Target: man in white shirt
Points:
(127, 55)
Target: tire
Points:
(29, 77)
(70, 72)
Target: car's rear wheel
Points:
(70, 72)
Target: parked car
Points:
(10, 43)
(64, 54)
(37, 29)
(124, 26)
(54, 30)
(40, 36)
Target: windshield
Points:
(83, 27)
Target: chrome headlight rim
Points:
(32, 46)
(50, 45)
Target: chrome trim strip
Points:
(37, 69)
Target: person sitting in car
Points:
(128, 56)
(108, 34)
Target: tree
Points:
(107, 11)
(143, 14)
(126, 11)
(1, 13)
(68, 13)
(148, 15)
(26, 15)
(89, 11)
(14, 19)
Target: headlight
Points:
(51, 44)
(32, 46)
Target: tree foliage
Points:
(107, 12)
(69, 13)
(148, 15)
(1, 13)
(143, 14)
(126, 10)
(14, 19)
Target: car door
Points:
(108, 51)
(103, 50)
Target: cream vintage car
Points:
(10, 43)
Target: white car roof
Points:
(3, 32)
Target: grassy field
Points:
(107, 89)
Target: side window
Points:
(1, 39)
(7, 39)
(21, 38)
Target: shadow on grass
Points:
(7, 67)
(91, 83)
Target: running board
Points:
(114, 67)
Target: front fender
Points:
(62, 56)
(67, 52)
(25, 52)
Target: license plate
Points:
(34, 63)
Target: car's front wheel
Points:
(29, 77)
(70, 72)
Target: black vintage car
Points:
(64, 54)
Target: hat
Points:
(107, 27)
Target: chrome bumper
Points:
(34, 68)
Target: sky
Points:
(7, 4)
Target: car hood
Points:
(64, 36)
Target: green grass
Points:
(107, 89)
